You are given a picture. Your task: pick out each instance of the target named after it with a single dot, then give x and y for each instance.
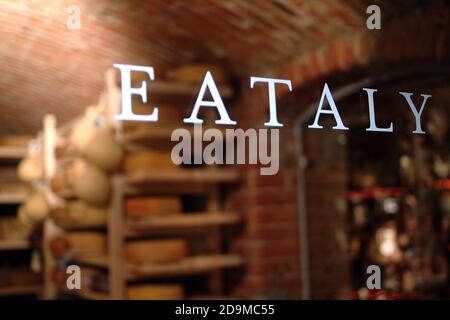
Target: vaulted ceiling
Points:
(46, 67)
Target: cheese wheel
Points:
(80, 212)
(103, 151)
(31, 168)
(36, 207)
(195, 73)
(156, 251)
(89, 183)
(148, 206)
(155, 292)
(87, 242)
(147, 160)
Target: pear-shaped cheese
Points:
(103, 151)
(31, 168)
(84, 129)
(89, 183)
(36, 207)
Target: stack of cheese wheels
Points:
(148, 159)
(80, 212)
(156, 251)
(88, 182)
(195, 73)
(140, 208)
(155, 292)
(86, 242)
(35, 209)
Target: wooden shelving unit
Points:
(10, 157)
(12, 153)
(119, 228)
(187, 266)
(13, 198)
(10, 245)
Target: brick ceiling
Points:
(45, 67)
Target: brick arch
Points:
(422, 36)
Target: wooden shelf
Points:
(71, 226)
(20, 290)
(182, 176)
(13, 198)
(10, 245)
(12, 153)
(183, 220)
(187, 266)
(91, 260)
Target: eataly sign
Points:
(224, 119)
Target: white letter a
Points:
(217, 102)
(74, 280)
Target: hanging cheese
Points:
(87, 242)
(156, 251)
(59, 181)
(155, 292)
(36, 207)
(85, 128)
(89, 183)
(149, 206)
(148, 160)
(31, 168)
(195, 73)
(103, 151)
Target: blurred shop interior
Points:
(84, 194)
